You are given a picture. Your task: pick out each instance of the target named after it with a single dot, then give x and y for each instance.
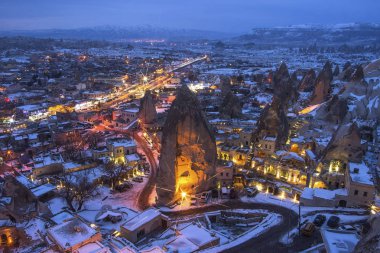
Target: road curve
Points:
(142, 200)
(267, 242)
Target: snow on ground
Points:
(227, 239)
(34, 228)
(308, 213)
(270, 221)
(287, 238)
(116, 199)
(293, 205)
(57, 205)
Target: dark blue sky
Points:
(218, 15)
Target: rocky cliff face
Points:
(322, 85)
(370, 242)
(345, 145)
(273, 122)
(283, 85)
(188, 153)
(230, 107)
(334, 111)
(307, 82)
(363, 100)
(147, 112)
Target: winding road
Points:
(142, 200)
(267, 242)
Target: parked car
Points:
(308, 229)
(123, 186)
(333, 222)
(251, 191)
(319, 220)
(138, 179)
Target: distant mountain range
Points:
(112, 33)
(296, 35)
(352, 33)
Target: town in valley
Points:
(121, 140)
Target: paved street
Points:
(269, 241)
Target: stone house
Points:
(144, 223)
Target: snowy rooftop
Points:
(198, 235)
(62, 217)
(70, 165)
(270, 138)
(310, 154)
(122, 143)
(337, 241)
(310, 193)
(93, 247)
(141, 219)
(71, 233)
(132, 110)
(45, 160)
(42, 189)
(360, 173)
(29, 108)
(291, 156)
(25, 181)
(132, 158)
(181, 244)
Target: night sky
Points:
(216, 15)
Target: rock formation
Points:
(273, 122)
(372, 69)
(336, 71)
(334, 111)
(358, 75)
(369, 242)
(364, 100)
(322, 85)
(307, 82)
(283, 86)
(294, 78)
(147, 112)
(345, 145)
(346, 72)
(230, 107)
(188, 153)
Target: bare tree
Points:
(77, 188)
(93, 139)
(114, 172)
(72, 146)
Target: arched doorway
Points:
(342, 203)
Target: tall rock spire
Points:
(188, 153)
(283, 85)
(322, 85)
(147, 113)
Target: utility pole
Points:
(299, 218)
